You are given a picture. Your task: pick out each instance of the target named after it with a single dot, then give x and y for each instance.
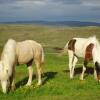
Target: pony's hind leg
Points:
(71, 55)
(39, 71)
(75, 59)
(30, 72)
(95, 74)
(83, 70)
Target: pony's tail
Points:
(42, 56)
(64, 50)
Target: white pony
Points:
(20, 53)
(7, 64)
(87, 48)
(26, 52)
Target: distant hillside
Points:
(57, 23)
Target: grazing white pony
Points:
(20, 53)
(7, 64)
(87, 48)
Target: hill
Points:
(57, 23)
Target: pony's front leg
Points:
(70, 70)
(74, 63)
(83, 71)
(4, 86)
(70, 53)
(30, 69)
(12, 83)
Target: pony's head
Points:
(96, 58)
(3, 78)
(97, 68)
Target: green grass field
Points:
(56, 82)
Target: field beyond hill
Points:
(56, 82)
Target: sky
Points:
(50, 10)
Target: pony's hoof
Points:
(39, 83)
(71, 78)
(98, 81)
(13, 88)
(81, 79)
(28, 84)
(36, 86)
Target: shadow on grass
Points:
(89, 70)
(46, 75)
(49, 75)
(23, 81)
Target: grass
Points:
(56, 82)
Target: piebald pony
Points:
(87, 48)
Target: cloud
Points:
(66, 2)
(93, 4)
(6, 1)
(37, 2)
(49, 9)
(17, 7)
(11, 1)
(96, 8)
(42, 1)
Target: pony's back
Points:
(27, 50)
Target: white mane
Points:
(8, 57)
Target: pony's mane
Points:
(94, 40)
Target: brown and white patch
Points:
(88, 52)
(71, 44)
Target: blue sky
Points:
(51, 10)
